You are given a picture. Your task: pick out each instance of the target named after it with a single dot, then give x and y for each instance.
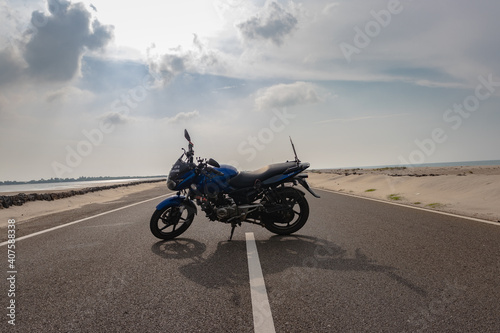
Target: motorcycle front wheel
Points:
(170, 222)
(288, 211)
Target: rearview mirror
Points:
(213, 163)
(186, 135)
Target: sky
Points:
(101, 88)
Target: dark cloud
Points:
(274, 24)
(115, 118)
(199, 59)
(10, 67)
(56, 46)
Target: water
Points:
(43, 187)
(440, 164)
(453, 164)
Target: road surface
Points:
(356, 266)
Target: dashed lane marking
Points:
(262, 316)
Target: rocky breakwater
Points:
(19, 199)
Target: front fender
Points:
(176, 200)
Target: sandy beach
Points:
(472, 191)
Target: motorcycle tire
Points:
(290, 219)
(171, 221)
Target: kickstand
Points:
(232, 232)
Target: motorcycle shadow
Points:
(179, 248)
(226, 267)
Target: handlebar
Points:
(212, 170)
(202, 164)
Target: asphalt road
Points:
(356, 266)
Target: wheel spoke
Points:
(166, 226)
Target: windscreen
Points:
(178, 170)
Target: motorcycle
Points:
(267, 196)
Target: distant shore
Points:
(472, 191)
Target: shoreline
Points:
(472, 191)
(35, 209)
(9, 199)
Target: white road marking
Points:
(78, 221)
(413, 207)
(262, 316)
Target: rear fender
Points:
(176, 200)
(302, 181)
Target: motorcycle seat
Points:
(250, 178)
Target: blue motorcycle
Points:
(266, 196)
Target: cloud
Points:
(198, 59)
(69, 94)
(115, 118)
(274, 23)
(56, 46)
(347, 120)
(182, 116)
(286, 95)
(10, 66)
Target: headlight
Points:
(171, 184)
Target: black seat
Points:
(250, 178)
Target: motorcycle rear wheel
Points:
(171, 222)
(290, 219)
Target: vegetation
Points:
(390, 168)
(435, 205)
(394, 197)
(371, 190)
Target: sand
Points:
(35, 209)
(469, 191)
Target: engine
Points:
(226, 212)
(220, 208)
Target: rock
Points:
(7, 201)
(19, 199)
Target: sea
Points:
(440, 164)
(43, 187)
